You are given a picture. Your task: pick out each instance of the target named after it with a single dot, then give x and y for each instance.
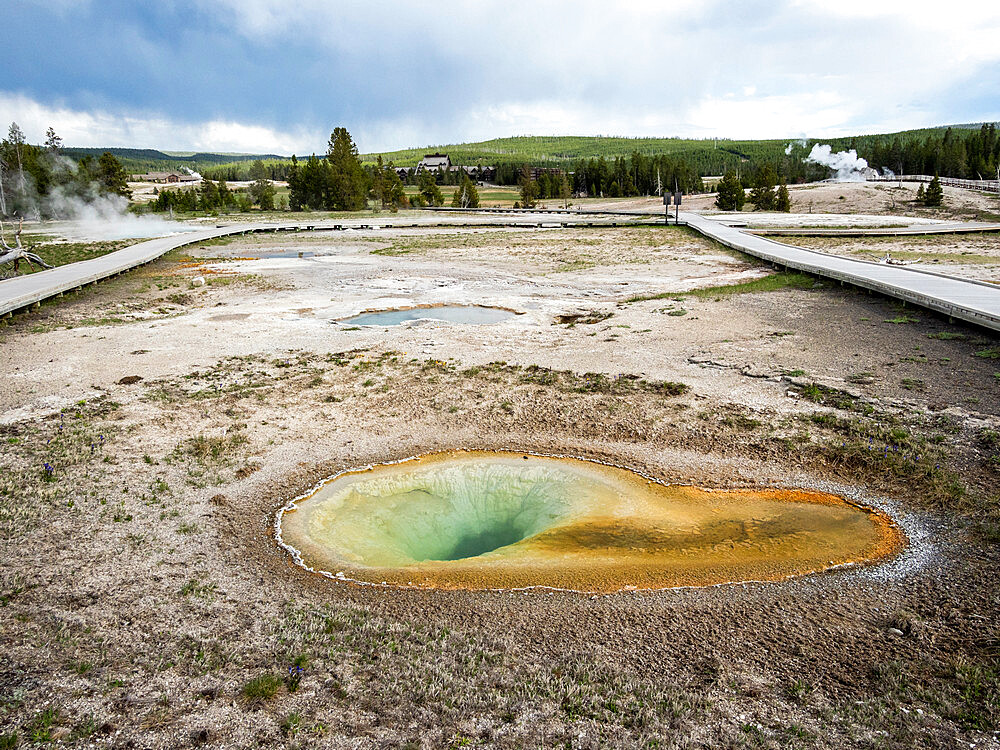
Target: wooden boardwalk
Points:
(972, 301)
(30, 290)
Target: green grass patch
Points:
(991, 353)
(592, 382)
(41, 726)
(979, 695)
(874, 446)
(261, 688)
(207, 449)
(902, 319)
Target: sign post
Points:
(666, 207)
(677, 209)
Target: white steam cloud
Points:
(84, 212)
(105, 217)
(847, 164)
(801, 143)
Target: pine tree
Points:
(378, 184)
(262, 189)
(312, 183)
(920, 193)
(295, 196)
(111, 174)
(564, 190)
(762, 193)
(429, 189)
(15, 144)
(225, 194)
(395, 195)
(465, 195)
(52, 141)
(934, 195)
(529, 189)
(348, 183)
(783, 201)
(209, 195)
(731, 196)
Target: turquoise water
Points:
(451, 512)
(470, 314)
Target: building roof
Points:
(434, 161)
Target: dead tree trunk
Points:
(14, 255)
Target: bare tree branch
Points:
(14, 255)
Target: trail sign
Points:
(672, 199)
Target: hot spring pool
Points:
(469, 314)
(502, 520)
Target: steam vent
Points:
(506, 520)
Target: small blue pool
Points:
(469, 314)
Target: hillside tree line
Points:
(966, 154)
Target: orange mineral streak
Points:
(612, 529)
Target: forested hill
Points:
(563, 149)
(964, 150)
(709, 156)
(136, 160)
(552, 149)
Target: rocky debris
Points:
(749, 370)
(756, 371)
(130, 380)
(706, 360)
(587, 317)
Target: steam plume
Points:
(848, 166)
(105, 217)
(801, 143)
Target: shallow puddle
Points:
(501, 520)
(471, 314)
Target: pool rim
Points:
(892, 523)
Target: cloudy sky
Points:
(273, 76)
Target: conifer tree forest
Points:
(41, 180)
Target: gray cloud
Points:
(417, 73)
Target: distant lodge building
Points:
(537, 172)
(435, 162)
(442, 163)
(163, 177)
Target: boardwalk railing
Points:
(988, 186)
